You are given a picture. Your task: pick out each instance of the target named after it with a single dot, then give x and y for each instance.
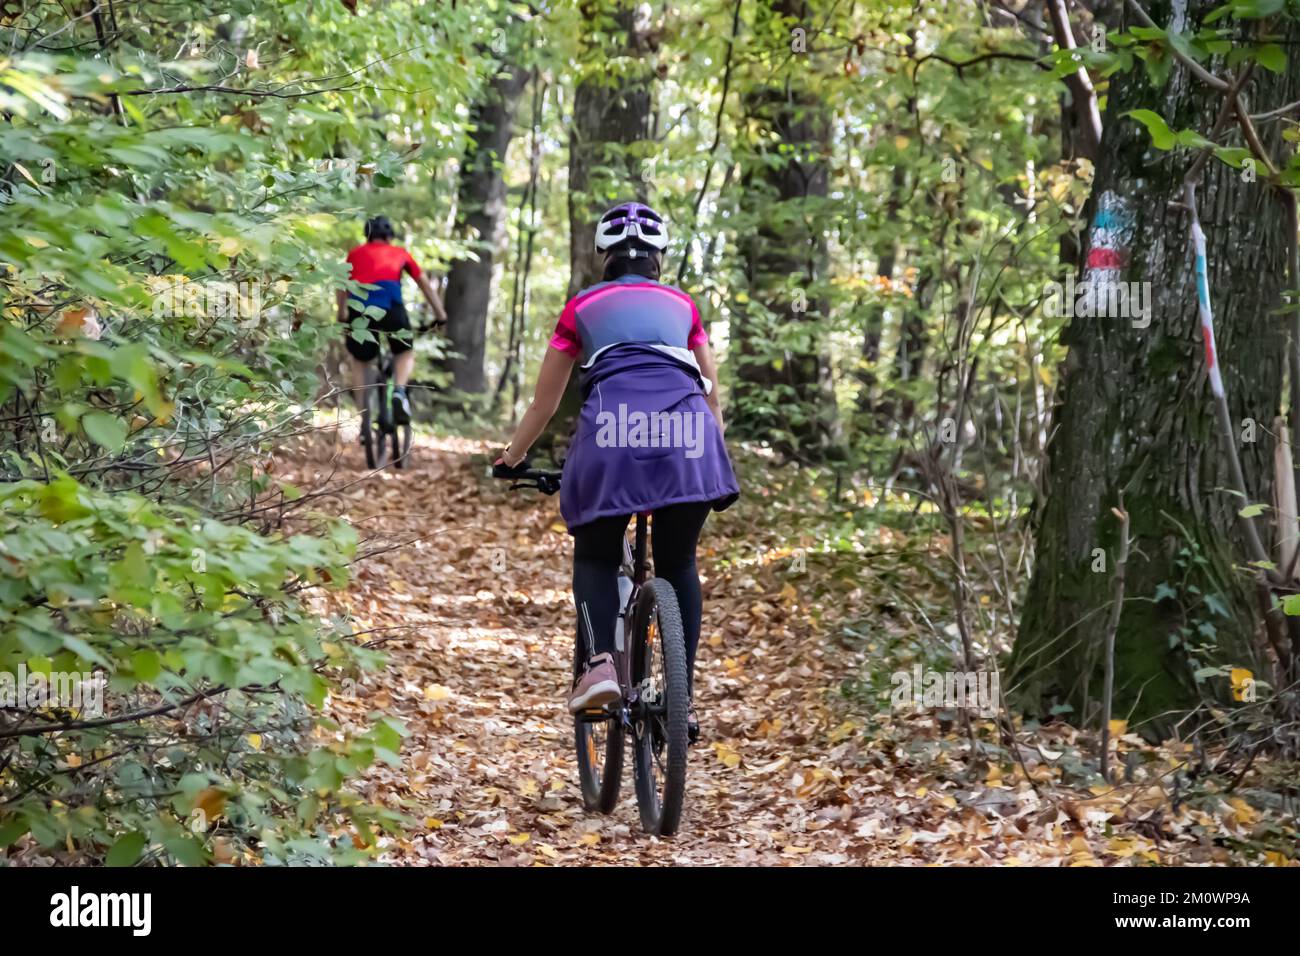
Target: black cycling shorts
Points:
(396, 326)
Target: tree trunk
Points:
(1136, 415)
(873, 325)
(607, 111)
(482, 213)
(610, 113)
(783, 389)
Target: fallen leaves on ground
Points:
(467, 586)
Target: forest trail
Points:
(481, 667)
(467, 586)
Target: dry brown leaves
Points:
(469, 585)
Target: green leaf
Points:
(1161, 136)
(1271, 57)
(1233, 155)
(107, 431)
(11, 830)
(187, 851)
(146, 664)
(1193, 139)
(1250, 511)
(126, 851)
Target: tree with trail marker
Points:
(1137, 409)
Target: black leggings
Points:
(598, 551)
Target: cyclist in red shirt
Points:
(379, 264)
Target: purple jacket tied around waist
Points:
(645, 439)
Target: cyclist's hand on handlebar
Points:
(501, 470)
(430, 322)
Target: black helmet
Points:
(379, 228)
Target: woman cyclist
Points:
(648, 438)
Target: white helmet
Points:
(635, 226)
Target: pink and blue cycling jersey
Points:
(629, 310)
(636, 338)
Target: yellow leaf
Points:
(255, 741)
(229, 246)
(1081, 853)
(211, 802)
(842, 732)
(518, 839)
(590, 839)
(1241, 680)
(900, 142)
(560, 527)
(727, 756)
(1243, 811)
(432, 823)
(548, 851)
(1118, 728)
(436, 692)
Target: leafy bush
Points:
(164, 313)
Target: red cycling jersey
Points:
(382, 264)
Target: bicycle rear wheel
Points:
(659, 675)
(376, 423)
(599, 745)
(402, 445)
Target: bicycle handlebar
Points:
(521, 476)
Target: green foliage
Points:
(178, 184)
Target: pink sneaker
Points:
(597, 687)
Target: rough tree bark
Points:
(1136, 416)
(609, 111)
(788, 396)
(481, 216)
(873, 324)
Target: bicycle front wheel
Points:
(659, 676)
(599, 745)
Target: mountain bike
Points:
(650, 658)
(384, 440)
